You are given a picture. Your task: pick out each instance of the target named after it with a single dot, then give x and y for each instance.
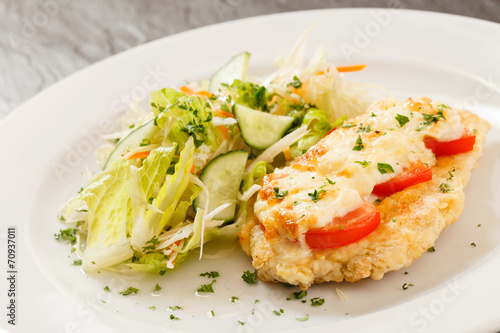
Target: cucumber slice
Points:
(260, 129)
(132, 140)
(222, 177)
(236, 68)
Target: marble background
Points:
(43, 41)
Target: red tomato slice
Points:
(347, 229)
(416, 173)
(444, 148)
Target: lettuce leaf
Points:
(250, 95)
(151, 263)
(318, 126)
(186, 200)
(144, 182)
(164, 204)
(185, 116)
(108, 214)
(194, 241)
(163, 99)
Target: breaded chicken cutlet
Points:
(369, 198)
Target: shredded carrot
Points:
(142, 154)
(295, 101)
(323, 72)
(222, 113)
(226, 131)
(205, 93)
(274, 99)
(353, 68)
(192, 169)
(186, 90)
(288, 154)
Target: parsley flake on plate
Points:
(130, 290)
(249, 277)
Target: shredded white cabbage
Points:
(248, 193)
(270, 153)
(218, 121)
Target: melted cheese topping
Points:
(338, 173)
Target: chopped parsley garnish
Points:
(278, 313)
(406, 273)
(348, 125)
(402, 120)
(279, 194)
(363, 129)
(153, 241)
(157, 287)
(295, 83)
(152, 307)
(241, 322)
(77, 262)
(207, 288)
(359, 144)
(373, 115)
(363, 163)
(479, 225)
(306, 318)
(250, 94)
(197, 131)
(211, 275)
(234, 299)
(172, 317)
(441, 107)
(430, 118)
(300, 294)
(175, 307)
(249, 277)
(316, 301)
(212, 313)
(330, 182)
(473, 244)
(106, 289)
(130, 290)
(406, 286)
(443, 187)
(385, 168)
(67, 235)
(315, 196)
(431, 249)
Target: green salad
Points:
(181, 176)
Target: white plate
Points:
(48, 142)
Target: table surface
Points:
(47, 40)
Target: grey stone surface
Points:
(46, 40)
